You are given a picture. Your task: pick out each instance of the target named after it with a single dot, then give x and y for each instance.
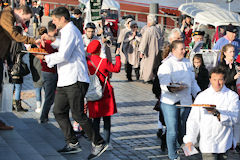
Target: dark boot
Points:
(18, 106)
(137, 73)
(129, 72)
(162, 136)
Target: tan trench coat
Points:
(150, 45)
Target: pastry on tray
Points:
(203, 105)
(37, 50)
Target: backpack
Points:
(95, 89)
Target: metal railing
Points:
(136, 14)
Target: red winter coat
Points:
(107, 105)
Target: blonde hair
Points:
(224, 49)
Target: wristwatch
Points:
(216, 114)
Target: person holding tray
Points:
(178, 84)
(72, 85)
(215, 125)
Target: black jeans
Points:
(106, 127)
(72, 97)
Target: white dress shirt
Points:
(173, 70)
(70, 58)
(215, 136)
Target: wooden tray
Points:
(35, 52)
(195, 106)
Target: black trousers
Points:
(129, 67)
(72, 98)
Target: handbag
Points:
(19, 69)
(7, 92)
(95, 89)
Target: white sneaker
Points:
(38, 110)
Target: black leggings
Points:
(106, 127)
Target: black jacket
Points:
(230, 82)
(202, 77)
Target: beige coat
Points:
(150, 45)
(130, 48)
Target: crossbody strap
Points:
(97, 70)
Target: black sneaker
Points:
(70, 148)
(97, 150)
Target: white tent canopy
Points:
(208, 13)
(112, 4)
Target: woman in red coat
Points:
(106, 106)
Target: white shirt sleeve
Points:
(65, 51)
(56, 43)
(164, 76)
(193, 124)
(230, 117)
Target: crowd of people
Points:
(75, 52)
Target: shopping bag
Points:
(7, 92)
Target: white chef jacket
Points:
(173, 70)
(215, 136)
(70, 58)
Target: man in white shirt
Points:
(89, 35)
(72, 84)
(215, 125)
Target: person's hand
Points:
(100, 31)
(237, 75)
(141, 55)
(26, 29)
(189, 145)
(118, 51)
(213, 111)
(134, 34)
(183, 22)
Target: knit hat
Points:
(94, 47)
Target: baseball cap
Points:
(231, 28)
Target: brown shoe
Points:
(3, 126)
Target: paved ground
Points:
(133, 127)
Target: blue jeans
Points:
(175, 119)
(18, 88)
(49, 85)
(38, 94)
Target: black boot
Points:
(18, 106)
(162, 136)
(137, 73)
